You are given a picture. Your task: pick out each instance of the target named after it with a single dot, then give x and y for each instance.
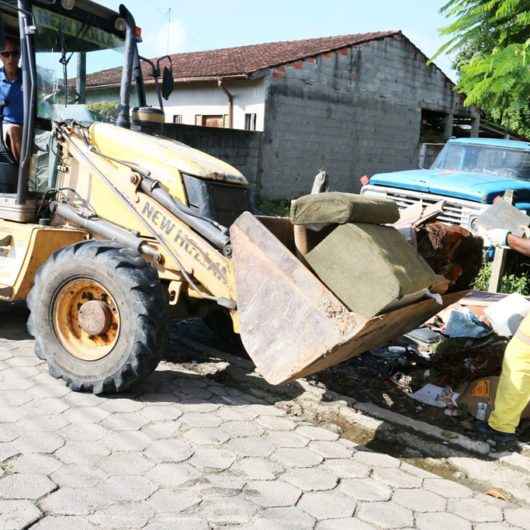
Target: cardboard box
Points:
(478, 398)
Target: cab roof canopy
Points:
(86, 11)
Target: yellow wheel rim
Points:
(86, 319)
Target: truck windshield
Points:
(504, 162)
(60, 44)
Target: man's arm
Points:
(519, 244)
(13, 138)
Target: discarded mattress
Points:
(341, 208)
(370, 268)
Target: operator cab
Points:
(61, 43)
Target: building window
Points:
(250, 121)
(177, 118)
(213, 120)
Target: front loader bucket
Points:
(291, 324)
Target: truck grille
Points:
(455, 211)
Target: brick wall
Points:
(352, 112)
(241, 149)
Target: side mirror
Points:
(168, 84)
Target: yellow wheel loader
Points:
(105, 230)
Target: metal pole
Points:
(80, 81)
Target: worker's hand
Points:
(13, 138)
(498, 237)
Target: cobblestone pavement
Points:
(184, 452)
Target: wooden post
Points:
(499, 261)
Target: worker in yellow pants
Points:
(513, 391)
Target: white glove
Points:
(498, 237)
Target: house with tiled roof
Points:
(352, 104)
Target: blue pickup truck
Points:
(467, 175)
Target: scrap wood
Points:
(499, 494)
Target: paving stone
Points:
(446, 488)
(17, 515)
(494, 526)
(289, 518)
(419, 500)
(417, 471)
(49, 423)
(161, 413)
(169, 451)
(8, 433)
(127, 441)
(242, 429)
(396, 478)
(327, 505)
(302, 457)
(212, 459)
(83, 453)
(124, 421)
(265, 410)
(11, 414)
(231, 510)
(330, 449)
(161, 430)
(35, 463)
(346, 468)
(14, 398)
(385, 515)
(286, 439)
(206, 436)
(344, 524)
(475, 511)
(39, 442)
(8, 450)
(84, 433)
(133, 488)
(116, 404)
(178, 523)
(78, 476)
(63, 523)
(441, 521)
(45, 407)
(200, 408)
(239, 414)
(84, 415)
(276, 423)
(173, 475)
(272, 493)
(258, 468)
(168, 500)
(518, 517)
(376, 459)
(196, 419)
(125, 464)
(222, 483)
(256, 447)
(317, 433)
(311, 479)
(118, 516)
(365, 489)
(69, 501)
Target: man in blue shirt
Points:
(11, 95)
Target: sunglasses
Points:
(6, 55)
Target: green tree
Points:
(492, 38)
(106, 111)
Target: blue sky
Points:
(209, 24)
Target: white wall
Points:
(209, 99)
(192, 99)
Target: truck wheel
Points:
(220, 323)
(99, 316)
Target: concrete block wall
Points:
(241, 149)
(352, 112)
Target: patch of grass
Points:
(510, 283)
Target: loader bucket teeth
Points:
(291, 324)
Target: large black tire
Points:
(220, 324)
(138, 300)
